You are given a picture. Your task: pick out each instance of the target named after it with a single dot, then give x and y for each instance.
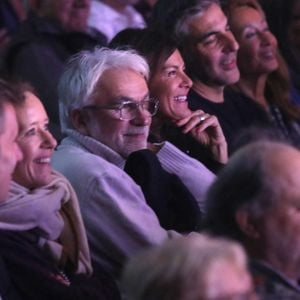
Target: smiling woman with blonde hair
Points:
(194, 267)
(45, 245)
(264, 75)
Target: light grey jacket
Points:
(117, 218)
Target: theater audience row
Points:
(153, 157)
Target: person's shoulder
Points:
(80, 158)
(238, 97)
(271, 285)
(75, 161)
(244, 103)
(197, 101)
(232, 95)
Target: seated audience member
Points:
(209, 51)
(189, 268)
(283, 18)
(255, 200)
(42, 45)
(112, 16)
(106, 114)
(10, 154)
(263, 74)
(35, 185)
(196, 133)
(42, 239)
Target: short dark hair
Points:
(126, 39)
(156, 48)
(171, 18)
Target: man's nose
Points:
(230, 43)
(143, 117)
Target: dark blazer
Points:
(31, 273)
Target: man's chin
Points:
(232, 78)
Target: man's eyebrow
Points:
(206, 35)
(120, 99)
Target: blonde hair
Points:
(277, 89)
(180, 269)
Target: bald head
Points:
(256, 178)
(285, 168)
(256, 199)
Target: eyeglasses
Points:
(128, 110)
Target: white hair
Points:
(85, 69)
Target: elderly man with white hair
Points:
(106, 114)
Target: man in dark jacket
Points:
(256, 200)
(209, 50)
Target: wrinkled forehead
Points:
(119, 83)
(235, 11)
(243, 17)
(284, 168)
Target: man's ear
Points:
(79, 121)
(247, 224)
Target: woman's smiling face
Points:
(258, 46)
(36, 143)
(170, 85)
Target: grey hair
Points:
(248, 182)
(179, 269)
(182, 28)
(83, 72)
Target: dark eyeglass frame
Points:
(120, 107)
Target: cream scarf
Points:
(53, 210)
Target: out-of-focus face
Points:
(258, 46)
(72, 14)
(236, 284)
(214, 48)
(294, 27)
(279, 226)
(36, 143)
(10, 152)
(104, 125)
(170, 86)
